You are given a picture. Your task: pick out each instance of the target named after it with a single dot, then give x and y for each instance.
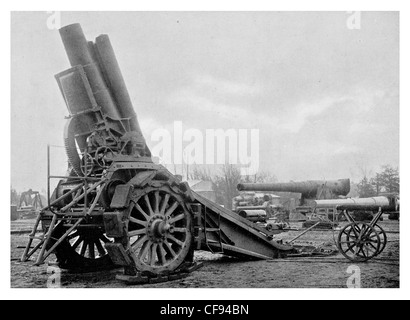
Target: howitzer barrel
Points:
(308, 189)
(115, 80)
(373, 203)
(76, 45)
(82, 53)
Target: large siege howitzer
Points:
(116, 207)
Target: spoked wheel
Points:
(103, 155)
(83, 250)
(383, 238)
(359, 242)
(87, 164)
(159, 231)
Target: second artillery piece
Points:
(115, 207)
(361, 241)
(309, 190)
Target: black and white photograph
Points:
(205, 149)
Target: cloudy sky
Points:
(325, 97)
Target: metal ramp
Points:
(234, 235)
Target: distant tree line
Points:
(385, 181)
(229, 176)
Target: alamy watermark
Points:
(354, 281)
(354, 20)
(209, 147)
(53, 20)
(54, 278)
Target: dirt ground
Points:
(223, 272)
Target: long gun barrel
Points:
(309, 189)
(115, 80)
(372, 203)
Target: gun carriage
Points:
(361, 241)
(115, 207)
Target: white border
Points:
(221, 294)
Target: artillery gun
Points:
(385, 203)
(115, 207)
(362, 241)
(309, 190)
(313, 189)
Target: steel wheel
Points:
(83, 250)
(159, 231)
(359, 242)
(89, 245)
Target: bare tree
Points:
(226, 181)
(366, 188)
(201, 173)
